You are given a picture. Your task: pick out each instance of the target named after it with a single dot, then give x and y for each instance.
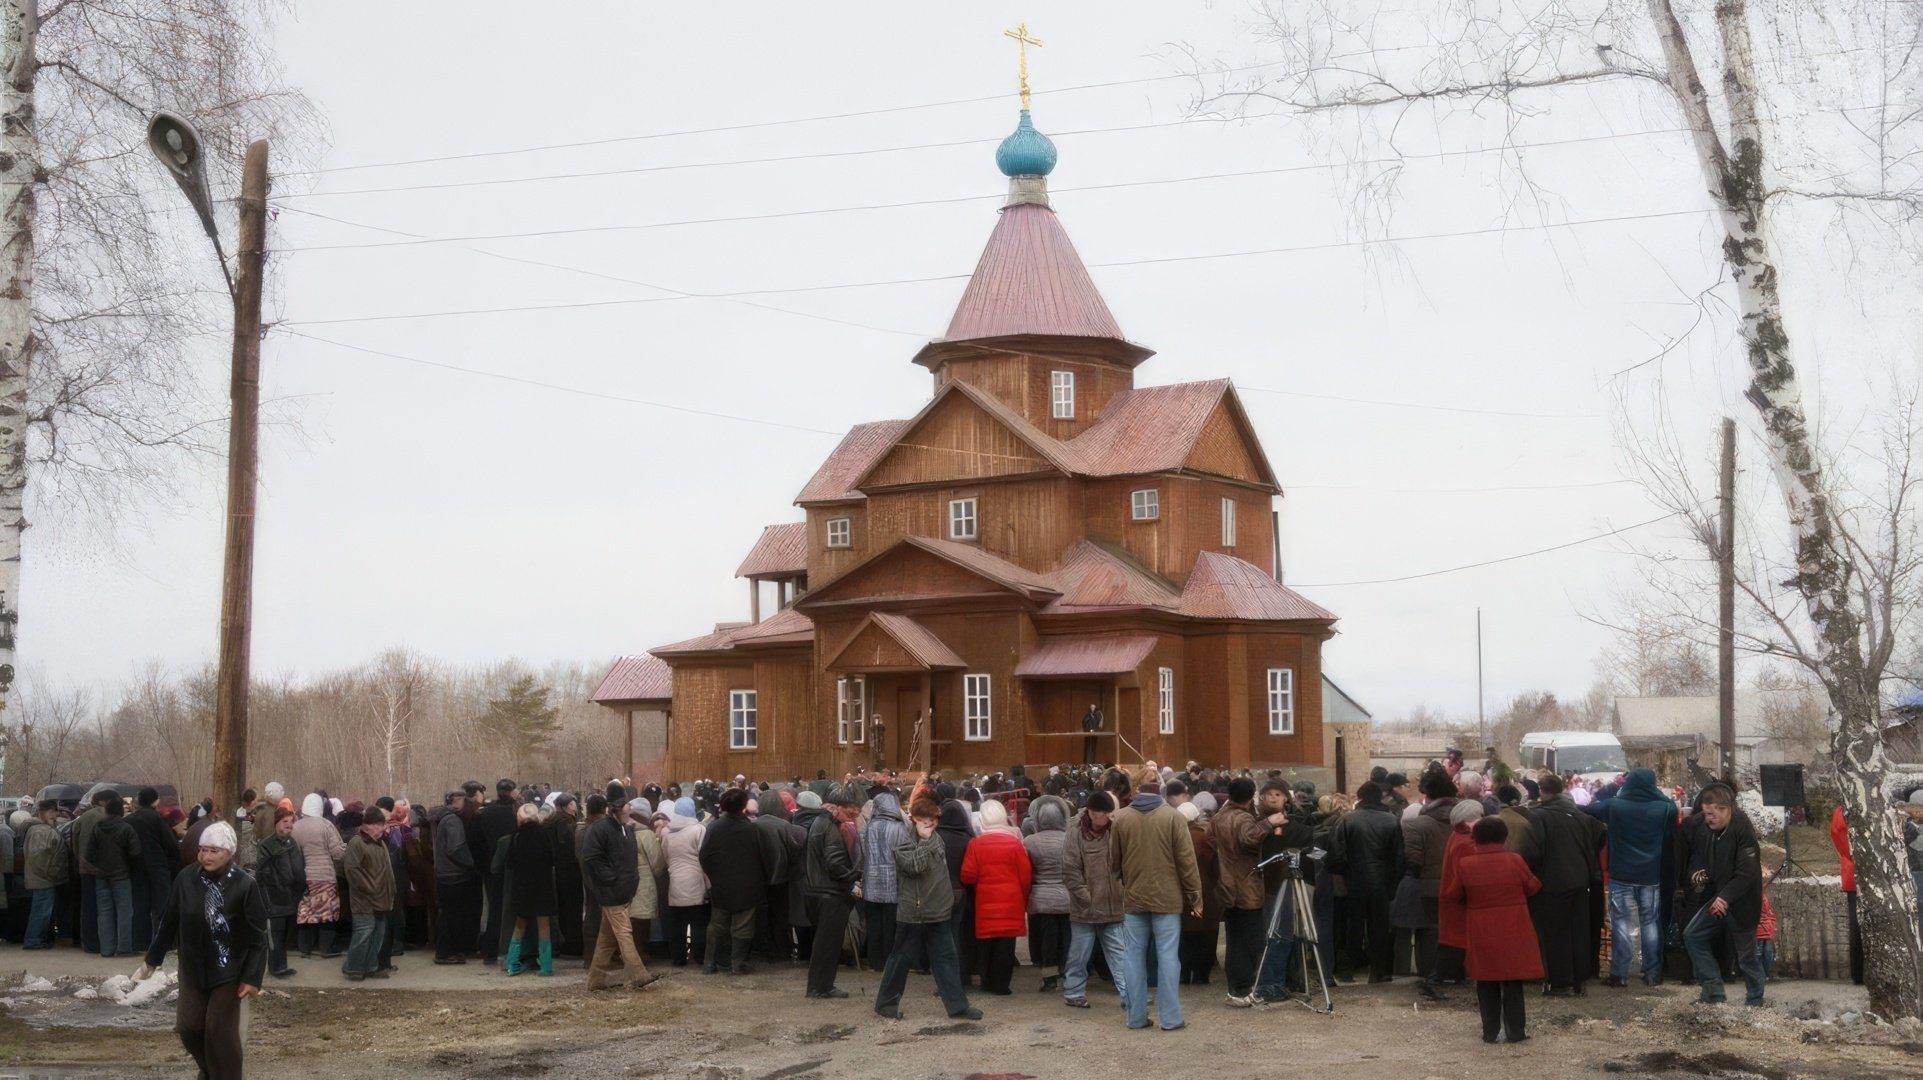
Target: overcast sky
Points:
(475, 519)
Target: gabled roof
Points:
(781, 549)
(636, 678)
(1155, 429)
(1107, 654)
(1048, 448)
(1029, 280)
(1225, 587)
(999, 571)
(718, 638)
(789, 627)
(920, 641)
(856, 453)
(1094, 576)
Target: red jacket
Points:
(1494, 887)
(1840, 835)
(1450, 928)
(997, 866)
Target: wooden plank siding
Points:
(1023, 382)
(958, 440)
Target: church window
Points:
(838, 532)
(1281, 701)
(961, 519)
(1145, 504)
(1165, 685)
(1061, 394)
(1228, 523)
(851, 699)
(975, 709)
(741, 719)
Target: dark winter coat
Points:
(1092, 875)
(1494, 885)
(157, 845)
(1732, 863)
(1562, 845)
(884, 833)
(828, 870)
(1366, 849)
(778, 835)
(530, 872)
(183, 922)
(1641, 821)
(369, 876)
(1425, 842)
(922, 891)
(493, 824)
(608, 863)
(956, 834)
(281, 873)
(453, 856)
(113, 849)
(735, 858)
(1238, 837)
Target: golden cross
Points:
(1022, 42)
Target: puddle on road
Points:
(50, 1011)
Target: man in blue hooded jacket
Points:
(1641, 821)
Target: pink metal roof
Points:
(781, 549)
(833, 481)
(1225, 587)
(1030, 281)
(1150, 429)
(1103, 655)
(920, 641)
(786, 625)
(718, 638)
(636, 678)
(1094, 576)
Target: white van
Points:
(1591, 755)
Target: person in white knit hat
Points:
(218, 918)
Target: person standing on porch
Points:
(1091, 721)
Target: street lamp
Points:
(175, 142)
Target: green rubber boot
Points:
(514, 957)
(547, 957)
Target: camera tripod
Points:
(1299, 900)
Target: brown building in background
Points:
(1041, 536)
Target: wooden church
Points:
(1043, 536)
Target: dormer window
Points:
(1061, 395)
(1145, 504)
(838, 532)
(961, 519)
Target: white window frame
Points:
(1061, 395)
(1281, 701)
(1145, 504)
(1165, 700)
(841, 532)
(744, 709)
(978, 711)
(1228, 522)
(964, 520)
(851, 709)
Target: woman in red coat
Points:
(1494, 885)
(997, 865)
(1451, 930)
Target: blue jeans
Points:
(1699, 937)
(1081, 945)
(40, 919)
(363, 950)
(113, 905)
(1144, 933)
(1272, 981)
(1629, 907)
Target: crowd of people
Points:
(1138, 879)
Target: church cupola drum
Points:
(1041, 536)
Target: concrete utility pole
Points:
(1482, 734)
(243, 470)
(1726, 605)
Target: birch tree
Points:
(104, 292)
(1362, 70)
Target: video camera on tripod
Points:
(1297, 905)
(1289, 861)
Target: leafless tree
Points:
(108, 286)
(1359, 70)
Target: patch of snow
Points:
(1767, 819)
(35, 984)
(86, 993)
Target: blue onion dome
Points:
(1026, 152)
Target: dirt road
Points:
(760, 1026)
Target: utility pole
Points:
(243, 460)
(1726, 605)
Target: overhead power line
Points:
(1491, 562)
(1425, 405)
(860, 207)
(1146, 261)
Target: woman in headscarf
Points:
(321, 849)
(530, 889)
(1451, 937)
(687, 885)
(1201, 932)
(997, 865)
(1493, 885)
(1047, 895)
(956, 834)
(652, 865)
